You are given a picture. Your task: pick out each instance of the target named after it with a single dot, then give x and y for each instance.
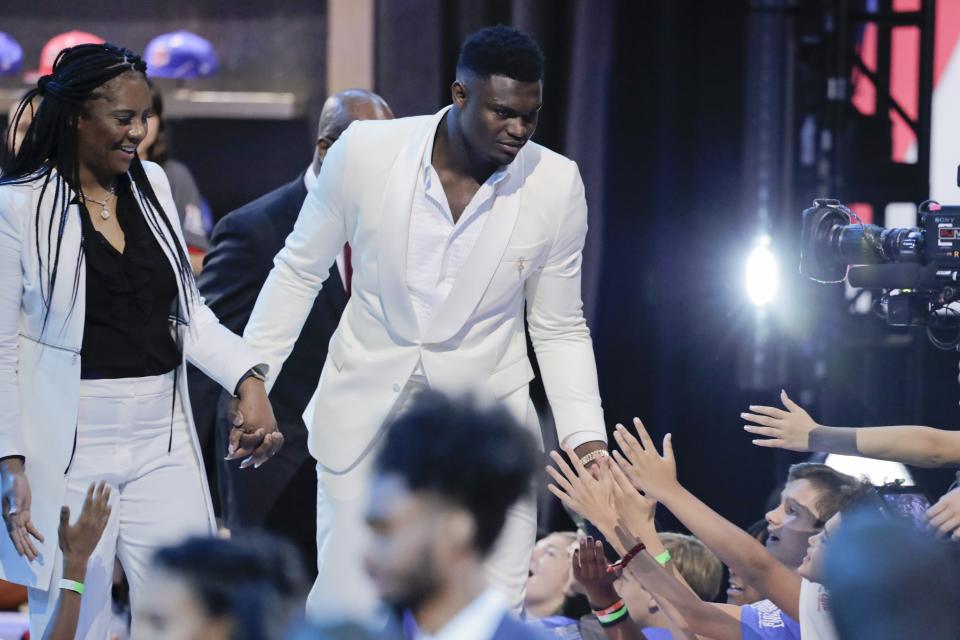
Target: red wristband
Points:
(605, 612)
(625, 560)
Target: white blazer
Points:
(529, 253)
(40, 367)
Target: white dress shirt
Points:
(309, 178)
(479, 620)
(438, 247)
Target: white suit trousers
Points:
(343, 589)
(123, 435)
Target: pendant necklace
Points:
(104, 204)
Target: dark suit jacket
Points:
(242, 248)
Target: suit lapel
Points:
(483, 261)
(65, 328)
(394, 233)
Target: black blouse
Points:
(130, 297)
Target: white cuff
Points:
(578, 438)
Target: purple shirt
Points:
(765, 621)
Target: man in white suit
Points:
(457, 222)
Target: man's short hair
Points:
(502, 51)
(837, 490)
(701, 569)
(475, 458)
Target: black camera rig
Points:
(917, 268)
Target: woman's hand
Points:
(254, 436)
(16, 508)
(781, 429)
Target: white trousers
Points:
(343, 589)
(123, 433)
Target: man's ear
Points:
(458, 94)
(323, 145)
(460, 529)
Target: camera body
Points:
(918, 267)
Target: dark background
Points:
(651, 99)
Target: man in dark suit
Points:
(280, 496)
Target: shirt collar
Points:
(426, 164)
(309, 177)
(477, 621)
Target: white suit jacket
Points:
(40, 367)
(529, 253)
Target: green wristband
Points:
(663, 558)
(72, 585)
(613, 618)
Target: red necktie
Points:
(347, 268)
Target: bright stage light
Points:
(879, 472)
(762, 273)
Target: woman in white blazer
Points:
(98, 314)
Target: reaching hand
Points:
(636, 511)
(16, 508)
(788, 429)
(590, 570)
(254, 436)
(944, 516)
(78, 541)
(587, 493)
(647, 470)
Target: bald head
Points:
(339, 111)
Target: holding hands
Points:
(254, 436)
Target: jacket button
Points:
(396, 387)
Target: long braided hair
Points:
(50, 155)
